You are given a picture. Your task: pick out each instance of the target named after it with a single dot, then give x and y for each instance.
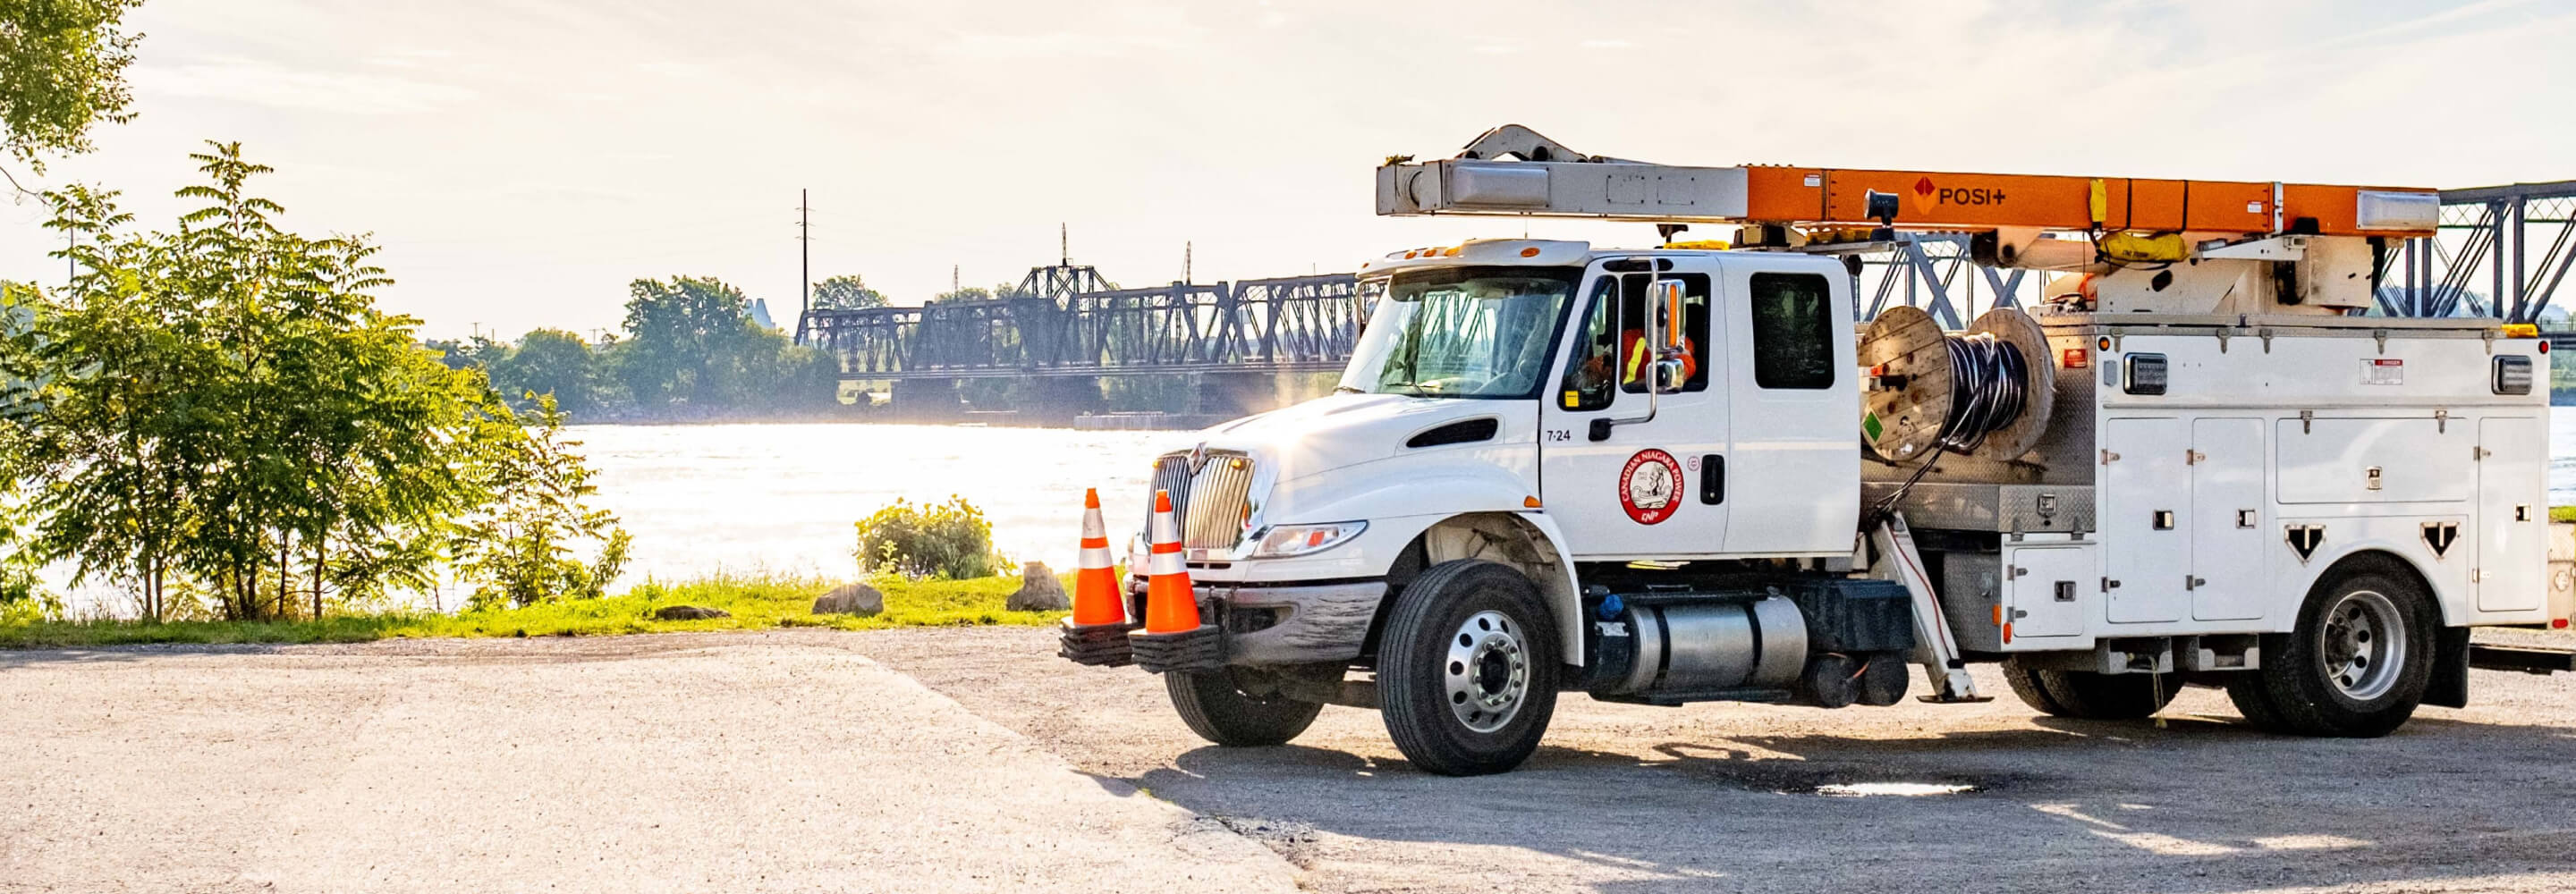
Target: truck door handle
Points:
(1712, 479)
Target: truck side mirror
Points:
(1672, 343)
(1668, 301)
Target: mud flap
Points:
(2449, 687)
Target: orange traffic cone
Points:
(1170, 604)
(1095, 586)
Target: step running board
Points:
(2527, 659)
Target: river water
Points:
(700, 498)
(706, 498)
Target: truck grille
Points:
(1210, 505)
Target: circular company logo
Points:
(1650, 486)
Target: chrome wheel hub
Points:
(1487, 671)
(2363, 644)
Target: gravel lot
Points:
(1719, 797)
(804, 761)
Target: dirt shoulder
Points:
(728, 762)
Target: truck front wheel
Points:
(1221, 712)
(1467, 669)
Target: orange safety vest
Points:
(1638, 356)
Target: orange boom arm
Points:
(1927, 200)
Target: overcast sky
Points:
(522, 160)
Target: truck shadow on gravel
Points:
(2201, 805)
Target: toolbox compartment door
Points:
(2049, 591)
(2512, 520)
(2145, 536)
(2229, 579)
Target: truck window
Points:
(1608, 346)
(1793, 325)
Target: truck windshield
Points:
(1479, 332)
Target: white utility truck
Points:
(1685, 473)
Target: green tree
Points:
(62, 68)
(685, 337)
(115, 461)
(227, 408)
(846, 292)
(551, 362)
(477, 352)
(692, 347)
(521, 548)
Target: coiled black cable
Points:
(1989, 386)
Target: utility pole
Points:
(805, 256)
(1063, 245)
(1185, 263)
(804, 260)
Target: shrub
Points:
(949, 539)
(521, 549)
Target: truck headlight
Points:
(1287, 541)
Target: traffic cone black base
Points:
(1098, 645)
(1202, 649)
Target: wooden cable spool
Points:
(1905, 409)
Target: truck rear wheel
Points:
(2096, 696)
(2025, 683)
(1220, 712)
(1467, 669)
(2086, 695)
(2358, 661)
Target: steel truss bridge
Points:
(2501, 252)
(1050, 326)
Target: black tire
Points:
(1509, 661)
(2094, 696)
(2246, 690)
(1220, 712)
(2335, 673)
(2025, 683)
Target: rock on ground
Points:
(1039, 591)
(850, 599)
(689, 613)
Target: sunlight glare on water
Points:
(700, 498)
(707, 498)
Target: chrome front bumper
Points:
(1274, 624)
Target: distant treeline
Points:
(690, 351)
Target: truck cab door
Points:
(1793, 402)
(1620, 485)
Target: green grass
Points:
(757, 603)
(2562, 513)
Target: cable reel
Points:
(1986, 392)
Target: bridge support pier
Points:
(927, 400)
(1056, 400)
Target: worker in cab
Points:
(1641, 359)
